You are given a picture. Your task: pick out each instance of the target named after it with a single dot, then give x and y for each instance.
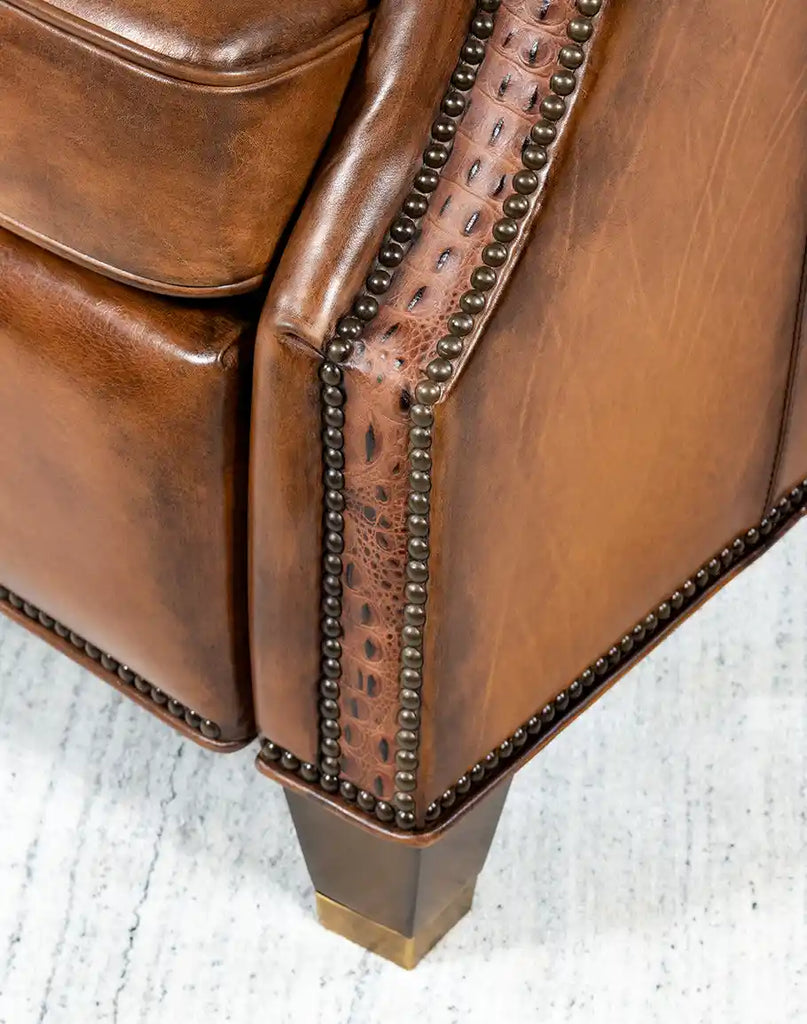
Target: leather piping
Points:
(264, 73)
(146, 284)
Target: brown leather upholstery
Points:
(616, 425)
(123, 473)
(621, 434)
(513, 384)
(529, 385)
(167, 144)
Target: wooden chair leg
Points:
(395, 897)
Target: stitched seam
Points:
(156, 287)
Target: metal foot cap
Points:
(403, 950)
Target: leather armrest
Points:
(368, 167)
(475, 190)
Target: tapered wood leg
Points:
(395, 897)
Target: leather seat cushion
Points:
(167, 144)
(123, 473)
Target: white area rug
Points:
(650, 864)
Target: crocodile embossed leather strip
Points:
(363, 570)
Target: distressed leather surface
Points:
(152, 147)
(617, 424)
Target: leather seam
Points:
(125, 277)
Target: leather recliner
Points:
(384, 380)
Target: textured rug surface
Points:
(650, 865)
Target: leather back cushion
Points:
(167, 144)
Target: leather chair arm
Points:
(368, 167)
(348, 621)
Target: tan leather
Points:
(167, 145)
(618, 423)
(123, 473)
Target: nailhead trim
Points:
(402, 232)
(599, 673)
(204, 726)
(333, 418)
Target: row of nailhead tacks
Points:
(429, 390)
(204, 726)
(630, 644)
(349, 330)
(597, 674)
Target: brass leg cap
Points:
(403, 950)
